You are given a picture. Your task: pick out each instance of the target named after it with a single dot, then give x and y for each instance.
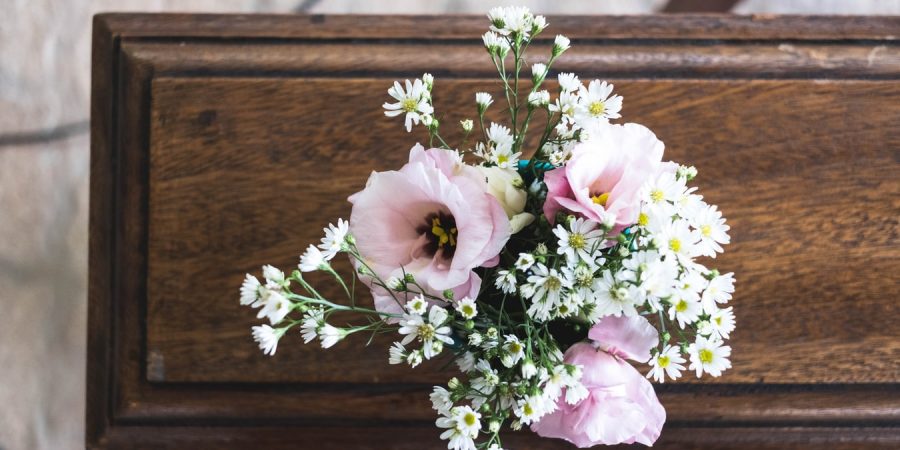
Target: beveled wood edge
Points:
(109, 393)
(413, 437)
(471, 27)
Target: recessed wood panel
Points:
(247, 171)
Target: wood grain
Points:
(220, 143)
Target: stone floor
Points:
(44, 94)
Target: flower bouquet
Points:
(541, 277)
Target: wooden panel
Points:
(220, 143)
(242, 174)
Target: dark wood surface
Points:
(220, 143)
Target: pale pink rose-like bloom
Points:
(621, 406)
(603, 179)
(433, 219)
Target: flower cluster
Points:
(539, 276)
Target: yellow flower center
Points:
(467, 310)
(470, 419)
(600, 199)
(410, 105)
(706, 356)
(675, 245)
(662, 361)
(444, 236)
(514, 347)
(643, 220)
(681, 306)
(576, 241)
(527, 409)
(553, 283)
(718, 320)
(425, 332)
(597, 108)
(656, 195)
(706, 230)
(501, 159)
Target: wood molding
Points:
(147, 387)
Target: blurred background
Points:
(45, 54)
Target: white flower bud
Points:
(467, 125)
(560, 44)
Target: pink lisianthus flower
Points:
(433, 219)
(603, 179)
(621, 406)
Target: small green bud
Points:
(448, 294)
(409, 278)
(470, 324)
(666, 336)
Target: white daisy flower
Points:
(721, 322)
(496, 44)
(467, 308)
(499, 135)
(511, 20)
(718, 290)
(250, 290)
(313, 259)
(658, 278)
(713, 231)
(466, 362)
(267, 338)
(529, 370)
(488, 379)
(678, 239)
(524, 261)
(710, 356)
(330, 335)
(548, 285)
(539, 98)
(569, 82)
(685, 311)
(275, 307)
(579, 241)
(273, 275)
(415, 101)
(333, 242)
(414, 358)
(463, 425)
(538, 72)
(506, 281)
(483, 99)
(440, 400)
(663, 190)
(538, 24)
(560, 44)
(504, 157)
(416, 327)
(613, 298)
(596, 104)
(529, 409)
(513, 351)
(312, 320)
(397, 354)
(667, 363)
(566, 105)
(418, 305)
(475, 339)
